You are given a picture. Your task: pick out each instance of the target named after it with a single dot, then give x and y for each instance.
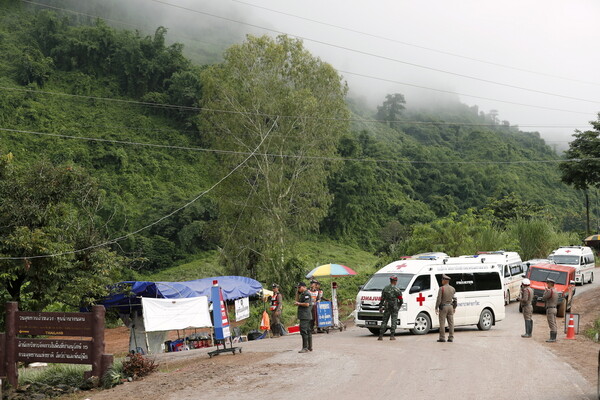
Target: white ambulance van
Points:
(510, 264)
(580, 257)
(366, 314)
(479, 292)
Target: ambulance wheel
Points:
(422, 324)
(486, 319)
(374, 331)
(592, 278)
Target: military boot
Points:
(380, 335)
(552, 337)
(309, 343)
(392, 337)
(527, 333)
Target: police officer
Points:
(275, 308)
(551, 298)
(526, 301)
(445, 309)
(304, 303)
(391, 300)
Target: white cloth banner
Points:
(169, 314)
(242, 309)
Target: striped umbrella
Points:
(330, 270)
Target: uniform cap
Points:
(393, 278)
(301, 284)
(526, 282)
(275, 286)
(314, 281)
(550, 280)
(446, 277)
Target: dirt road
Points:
(497, 364)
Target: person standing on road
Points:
(445, 309)
(526, 301)
(391, 300)
(314, 296)
(276, 308)
(304, 303)
(551, 298)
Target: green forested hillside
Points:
(125, 109)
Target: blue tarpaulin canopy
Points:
(128, 293)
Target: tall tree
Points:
(274, 96)
(391, 109)
(48, 210)
(583, 168)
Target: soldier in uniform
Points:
(391, 300)
(526, 298)
(445, 309)
(304, 303)
(275, 308)
(551, 298)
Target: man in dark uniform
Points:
(525, 299)
(304, 304)
(445, 309)
(275, 308)
(391, 300)
(551, 298)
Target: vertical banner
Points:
(324, 314)
(334, 302)
(242, 309)
(221, 321)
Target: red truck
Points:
(564, 278)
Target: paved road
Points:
(496, 364)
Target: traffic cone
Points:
(571, 328)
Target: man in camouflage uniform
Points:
(445, 309)
(391, 300)
(525, 299)
(551, 298)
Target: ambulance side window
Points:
(423, 281)
(506, 271)
(516, 269)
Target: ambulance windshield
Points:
(379, 281)
(565, 260)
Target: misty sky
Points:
(547, 46)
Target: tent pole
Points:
(147, 342)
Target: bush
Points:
(137, 366)
(54, 374)
(113, 376)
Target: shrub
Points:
(54, 374)
(137, 366)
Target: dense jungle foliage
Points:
(126, 130)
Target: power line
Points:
(378, 56)
(294, 156)
(118, 239)
(415, 45)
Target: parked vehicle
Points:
(479, 293)
(564, 278)
(510, 265)
(580, 257)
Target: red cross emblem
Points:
(567, 251)
(420, 299)
(399, 266)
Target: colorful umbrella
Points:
(593, 238)
(330, 270)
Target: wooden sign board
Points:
(54, 323)
(54, 351)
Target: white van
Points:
(580, 257)
(511, 267)
(478, 290)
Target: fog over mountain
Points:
(532, 61)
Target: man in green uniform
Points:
(525, 299)
(391, 300)
(445, 309)
(551, 298)
(304, 304)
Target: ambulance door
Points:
(421, 299)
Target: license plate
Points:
(371, 323)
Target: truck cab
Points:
(564, 278)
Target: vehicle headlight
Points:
(404, 307)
